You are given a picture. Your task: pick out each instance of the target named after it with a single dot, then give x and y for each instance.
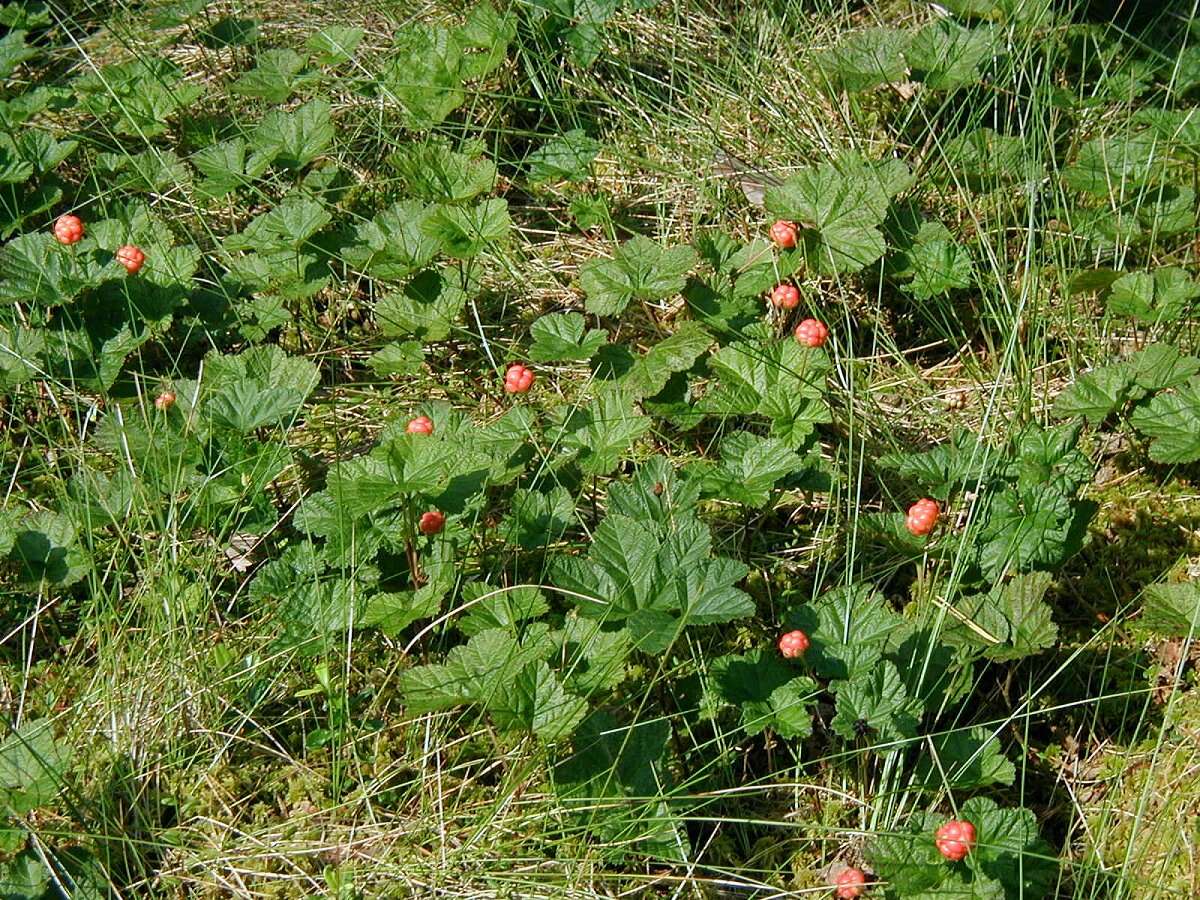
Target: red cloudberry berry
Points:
(812, 333)
(955, 839)
(68, 229)
(164, 401)
(432, 522)
(793, 644)
(131, 258)
(420, 425)
(785, 296)
(518, 379)
(849, 883)
(783, 233)
(922, 516)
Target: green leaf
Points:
(277, 74)
(536, 701)
(398, 358)
(259, 387)
(1166, 210)
(32, 763)
(426, 308)
(334, 44)
(595, 655)
(290, 224)
(1115, 166)
(391, 613)
(964, 760)
(1161, 366)
(504, 608)
(1008, 848)
(1172, 610)
(537, 519)
(395, 243)
(1048, 456)
(848, 628)
(941, 469)
(34, 268)
(567, 157)
(765, 689)
(640, 270)
(946, 56)
(484, 38)
(25, 877)
(465, 231)
(840, 208)
(677, 353)
(598, 435)
(1035, 528)
(655, 494)
(748, 470)
(938, 268)
(425, 75)
(559, 337)
(1172, 420)
(1164, 295)
(434, 172)
(1096, 395)
(137, 97)
(865, 59)
(878, 705)
(1010, 621)
(226, 167)
(293, 139)
(615, 780)
(46, 548)
(20, 355)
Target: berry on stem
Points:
(955, 839)
(164, 401)
(68, 229)
(793, 644)
(785, 296)
(420, 425)
(131, 258)
(922, 517)
(783, 233)
(518, 379)
(812, 333)
(849, 883)
(432, 522)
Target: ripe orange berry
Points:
(785, 296)
(849, 883)
(518, 379)
(783, 233)
(793, 644)
(922, 517)
(432, 522)
(955, 839)
(812, 333)
(164, 401)
(68, 229)
(420, 425)
(131, 258)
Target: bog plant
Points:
(550, 555)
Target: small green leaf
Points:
(1164, 295)
(964, 760)
(334, 44)
(290, 224)
(559, 337)
(1115, 166)
(599, 434)
(276, 76)
(536, 701)
(748, 470)
(293, 139)
(766, 690)
(1096, 395)
(398, 358)
(499, 608)
(866, 59)
(425, 75)
(640, 270)
(46, 547)
(426, 308)
(32, 764)
(946, 56)
(1173, 610)
(567, 157)
(395, 243)
(537, 519)
(434, 172)
(651, 371)
(938, 268)
(877, 704)
(465, 231)
(1172, 420)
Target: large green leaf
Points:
(639, 270)
(1172, 421)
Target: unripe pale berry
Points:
(164, 401)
